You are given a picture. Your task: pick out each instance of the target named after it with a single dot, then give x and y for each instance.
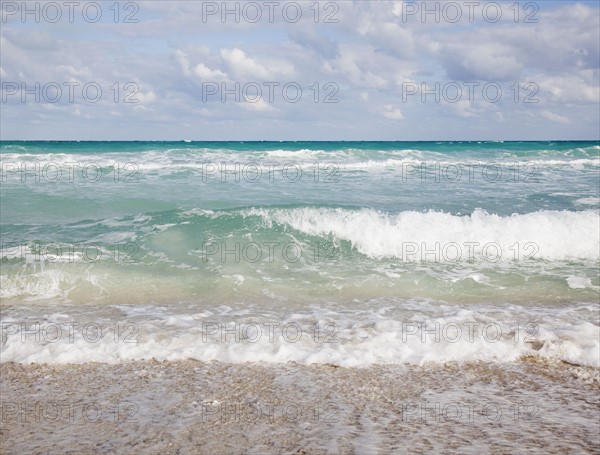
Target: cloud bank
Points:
(300, 70)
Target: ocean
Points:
(300, 297)
(341, 253)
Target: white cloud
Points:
(391, 112)
(555, 117)
(240, 65)
(183, 60)
(145, 98)
(205, 73)
(259, 106)
(581, 87)
(463, 108)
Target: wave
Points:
(418, 236)
(351, 338)
(411, 236)
(279, 253)
(154, 159)
(173, 157)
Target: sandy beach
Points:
(190, 407)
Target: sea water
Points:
(343, 253)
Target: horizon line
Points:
(299, 140)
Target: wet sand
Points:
(190, 407)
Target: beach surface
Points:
(192, 407)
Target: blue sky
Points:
(387, 71)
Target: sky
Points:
(300, 70)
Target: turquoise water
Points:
(350, 231)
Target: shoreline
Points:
(193, 407)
